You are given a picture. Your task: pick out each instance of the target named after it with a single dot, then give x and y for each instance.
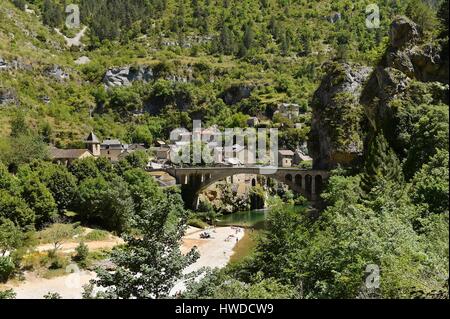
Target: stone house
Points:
(285, 158)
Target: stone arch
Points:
(298, 180)
(288, 178)
(253, 182)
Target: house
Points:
(67, 156)
(111, 149)
(163, 154)
(289, 110)
(285, 158)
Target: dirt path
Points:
(75, 41)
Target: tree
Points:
(138, 159)
(381, 164)
(429, 133)
(51, 14)
(143, 188)
(52, 295)
(46, 132)
(40, 200)
(11, 237)
(149, 265)
(249, 36)
(430, 184)
(107, 203)
(84, 168)
(61, 183)
(57, 234)
(20, 4)
(443, 18)
(19, 125)
(422, 14)
(14, 208)
(82, 253)
(7, 181)
(7, 294)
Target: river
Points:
(247, 219)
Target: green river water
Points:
(249, 219)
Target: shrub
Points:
(52, 295)
(57, 262)
(96, 234)
(6, 268)
(82, 252)
(7, 294)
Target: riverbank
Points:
(214, 252)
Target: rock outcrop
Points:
(339, 129)
(57, 73)
(8, 96)
(125, 76)
(335, 105)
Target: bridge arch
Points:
(194, 180)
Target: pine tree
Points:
(249, 36)
(381, 165)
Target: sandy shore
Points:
(214, 252)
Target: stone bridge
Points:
(194, 180)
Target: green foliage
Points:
(14, 208)
(381, 164)
(84, 168)
(52, 295)
(96, 234)
(20, 4)
(40, 200)
(422, 14)
(7, 294)
(155, 255)
(216, 284)
(430, 184)
(430, 132)
(82, 253)
(11, 236)
(6, 268)
(107, 203)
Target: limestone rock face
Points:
(125, 76)
(336, 128)
(423, 62)
(8, 96)
(57, 73)
(402, 32)
(3, 64)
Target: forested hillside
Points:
(215, 60)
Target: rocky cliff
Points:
(353, 100)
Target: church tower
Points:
(93, 144)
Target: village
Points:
(166, 154)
